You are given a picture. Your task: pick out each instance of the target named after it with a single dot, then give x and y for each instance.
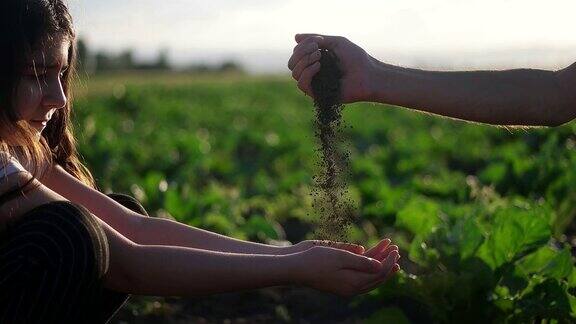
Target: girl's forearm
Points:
(513, 97)
(178, 271)
(158, 231)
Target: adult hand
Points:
(355, 63)
(342, 272)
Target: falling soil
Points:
(330, 195)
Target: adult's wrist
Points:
(378, 87)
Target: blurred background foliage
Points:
(483, 215)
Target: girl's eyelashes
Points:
(38, 74)
(63, 71)
(41, 73)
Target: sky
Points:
(433, 34)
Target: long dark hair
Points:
(25, 26)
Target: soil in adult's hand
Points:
(331, 199)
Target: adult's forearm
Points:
(178, 271)
(513, 97)
(158, 231)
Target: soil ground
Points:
(269, 305)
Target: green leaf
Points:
(535, 262)
(548, 299)
(419, 216)
(260, 227)
(572, 301)
(572, 279)
(469, 237)
(416, 251)
(494, 173)
(218, 223)
(515, 231)
(560, 266)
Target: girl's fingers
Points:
(354, 248)
(304, 83)
(366, 280)
(301, 50)
(390, 261)
(381, 255)
(305, 62)
(383, 244)
(389, 265)
(351, 247)
(381, 280)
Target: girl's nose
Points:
(53, 95)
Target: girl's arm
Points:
(178, 271)
(168, 232)
(161, 231)
(157, 231)
(120, 246)
(120, 218)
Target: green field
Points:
(483, 215)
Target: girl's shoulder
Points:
(9, 165)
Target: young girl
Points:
(69, 253)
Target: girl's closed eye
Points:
(35, 72)
(44, 72)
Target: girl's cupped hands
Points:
(342, 268)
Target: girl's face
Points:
(40, 93)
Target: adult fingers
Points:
(304, 83)
(324, 41)
(301, 37)
(301, 50)
(305, 62)
(383, 244)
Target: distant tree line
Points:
(100, 61)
